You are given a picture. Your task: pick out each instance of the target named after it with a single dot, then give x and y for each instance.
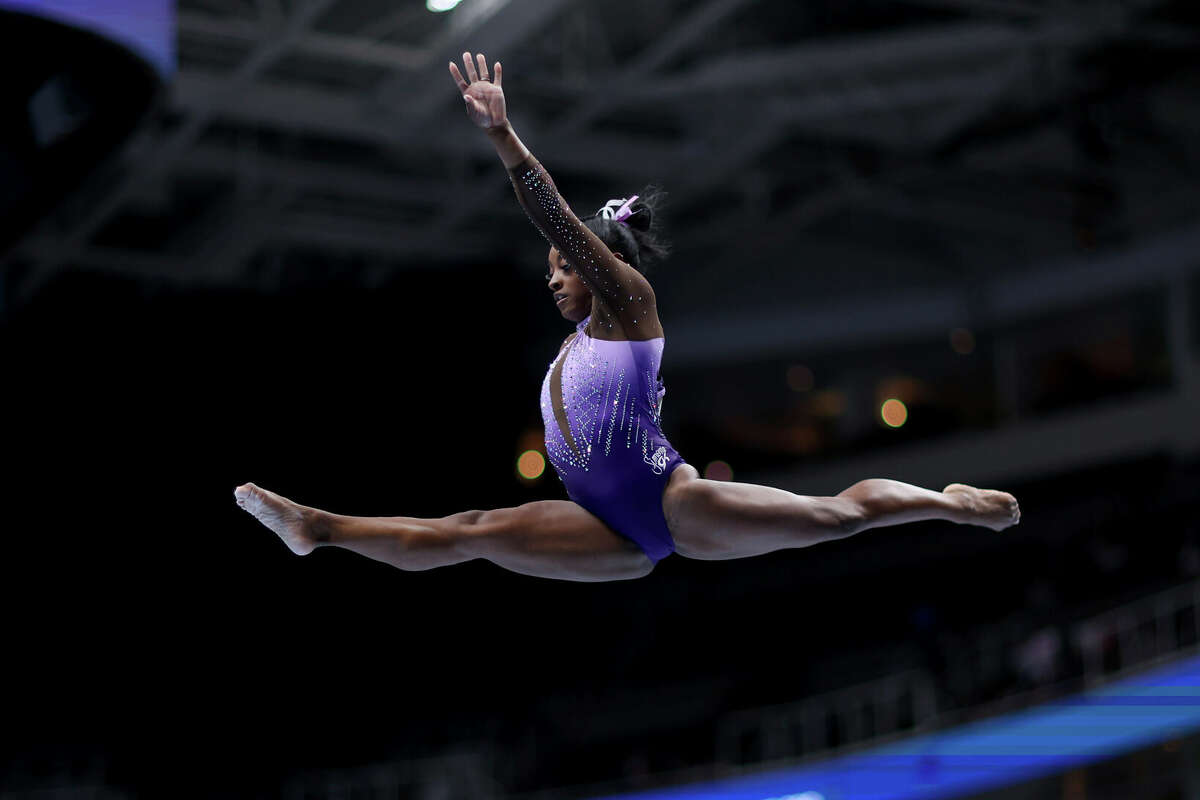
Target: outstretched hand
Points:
(484, 98)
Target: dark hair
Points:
(639, 237)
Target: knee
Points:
(863, 501)
(496, 532)
(846, 515)
(638, 567)
(465, 520)
(474, 532)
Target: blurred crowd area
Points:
(1135, 548)
(768, 412)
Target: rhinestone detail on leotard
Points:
(602, 400)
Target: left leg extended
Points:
(724, 519)
(544, 538)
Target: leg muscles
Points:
(409, 543)
(555, 539)
(724, 519)
(548, 538)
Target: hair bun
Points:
(636, 235)
(641, 218)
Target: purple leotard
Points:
(616, 462)
(602, 410)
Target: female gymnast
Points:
(633, 500)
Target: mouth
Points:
(561, 299)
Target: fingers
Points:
(472, 75)
(458, 78)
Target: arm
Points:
(622, 290)
(510, 149)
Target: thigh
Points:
(554, 539)
(717, 520)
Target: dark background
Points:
(304, 270)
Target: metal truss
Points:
(753, 122)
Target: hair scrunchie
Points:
(619, 209)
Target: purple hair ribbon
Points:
(621, 214)
(624, 212)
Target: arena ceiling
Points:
(878, 165)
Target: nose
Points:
(555, 284)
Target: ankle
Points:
(320, 526)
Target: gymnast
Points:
(633, 499)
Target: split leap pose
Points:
(633, 500)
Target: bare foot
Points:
(986, 507)
(291, 522)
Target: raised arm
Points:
(622, 288)
(624, 292)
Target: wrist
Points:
(502, 130)
(510, 149)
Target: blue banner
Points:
(1155, 706)
(147, 27)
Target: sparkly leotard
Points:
(601, 399)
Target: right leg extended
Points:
(546, 538)
(719, 520)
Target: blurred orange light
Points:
(894, 413)
(718, 471)
(530, 465)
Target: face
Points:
(564, 282)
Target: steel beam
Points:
(351, 49)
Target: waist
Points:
(611, 466)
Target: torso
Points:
(600, 374)
(601, 406)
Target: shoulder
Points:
(568, 340)
(637, 323)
